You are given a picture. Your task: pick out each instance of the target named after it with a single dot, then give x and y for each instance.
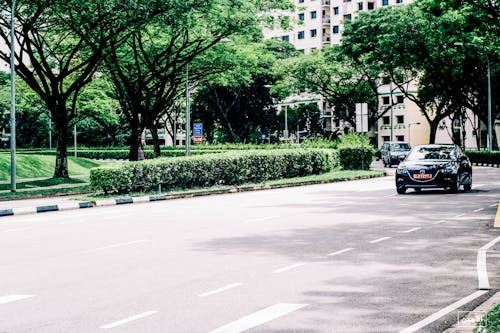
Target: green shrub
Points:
(355, 152)
(491, 323)
(230, 168)
(484, 156)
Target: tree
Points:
(149, 69)
(54, 55)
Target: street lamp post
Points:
(188, 115)
(12, 102)
(488, 66)
(409, 131)
(285, 134)
(392, 111)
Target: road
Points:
(342, 257)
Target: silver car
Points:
(393, 152)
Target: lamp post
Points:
(409, 131)
(188, 115)
(392, 111)
(482, 49)
(285, 134)
(12, 102)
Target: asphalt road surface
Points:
(344, 257)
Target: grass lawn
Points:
(42, 166)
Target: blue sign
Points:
(197, 129)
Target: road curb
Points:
(126, 200)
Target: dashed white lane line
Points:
(13, 298)
(379, 240)
(18, 229)
(261, 219)
(411, 230)
(443, 312)
(128, 320)
(478, 210)
(258, 318)
(341, 251)
(287, 268)
(219, 290)
(459, 215)
(439, 222)
(493, 205)
(118, 245)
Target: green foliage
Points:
(200, 171)
(355, 152)
(484, 156)
(491, 322)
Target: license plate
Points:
(422, 176)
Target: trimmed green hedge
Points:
(484, 156)
(230, 168)
(355, 158)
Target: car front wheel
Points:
(401, 190)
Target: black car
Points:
(434, 166)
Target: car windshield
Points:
(401, 147)
(431, 153)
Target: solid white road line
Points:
(287, 268)
(13, 298)
(216, 291)
(443, 312)
(259, 318)
(482, 272)
(128, 320)
(411, 230)
(379, 240)
(490, 244)
(341, 251)
(494, 205)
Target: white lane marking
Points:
(119, 245)
(17, 229)
(216, 291)
(478, 210)
(490, 244)
(128, 320)
(341, 251)
(494, 205)
(460, 215)
(260, 219)
(411, 230)
(287, 268)
(443, 312)
(379, 240)
(13, 298)
(258, 318)
(439, 222)
(482, 272)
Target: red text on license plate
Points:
(422, 176)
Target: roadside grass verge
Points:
(44, 183)
(491, 323)
(42, 166)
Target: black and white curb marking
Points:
(79, 205)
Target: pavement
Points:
(466, 324)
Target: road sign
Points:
(197, 129)
(361, 117)
(197, 139)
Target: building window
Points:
(314, 33)
(385, 2)
(386, 120)
(300, 35)
(313, 15)
(386, 138)
(301, 1)
(371, 5)
(285, 38)
(399, 1)
(400, 99)
(400, 119)
(335, 10)
(386, 100)
(347, 17)
(301, 17)
(400, 138)
(335, 29)
(360, 6)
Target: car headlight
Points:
(451, 167)
(401, 169)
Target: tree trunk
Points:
(61, 169)
(135, 141)
(433, 130)
(156, 140)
